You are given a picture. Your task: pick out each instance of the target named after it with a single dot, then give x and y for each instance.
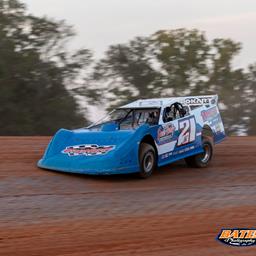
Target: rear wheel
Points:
(147, 157)
(203, 159)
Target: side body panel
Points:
(183, 137)
(211, 117)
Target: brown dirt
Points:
(178, 211)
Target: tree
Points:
(250, 100)
(36, 71)
(228, 83)
(124, 74)
(174, 62)
(183, 56)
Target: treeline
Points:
(40, 80)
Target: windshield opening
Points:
(128, 118)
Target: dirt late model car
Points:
(140, 136)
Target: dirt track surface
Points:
(178, 211)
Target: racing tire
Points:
(201, 160)
(147, 158)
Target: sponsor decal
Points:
(87, 150)
(213, 117)
(177, 152)
(165, 133)
(218, 128)
(209, 113)
(238, 237)
(199, 101)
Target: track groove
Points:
(179, 211)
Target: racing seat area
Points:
(175, 111)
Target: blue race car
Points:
(140, 136)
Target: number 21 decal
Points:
(188, 131)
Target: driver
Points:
(176, 110)
(169, 114)
(180, 110)
(152, 118)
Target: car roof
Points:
(163, 102)
(150, 103)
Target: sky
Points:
(100, 23)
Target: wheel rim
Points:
(207, 154)
(148, 162)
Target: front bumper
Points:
(80, 168)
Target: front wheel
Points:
(147, 157)
(203, 159)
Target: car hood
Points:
(86, 139)
(94, 152)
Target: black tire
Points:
(147, 158)
(201, 160)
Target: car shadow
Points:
(169, 169)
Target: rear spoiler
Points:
(196, 101)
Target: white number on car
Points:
(188, 131)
